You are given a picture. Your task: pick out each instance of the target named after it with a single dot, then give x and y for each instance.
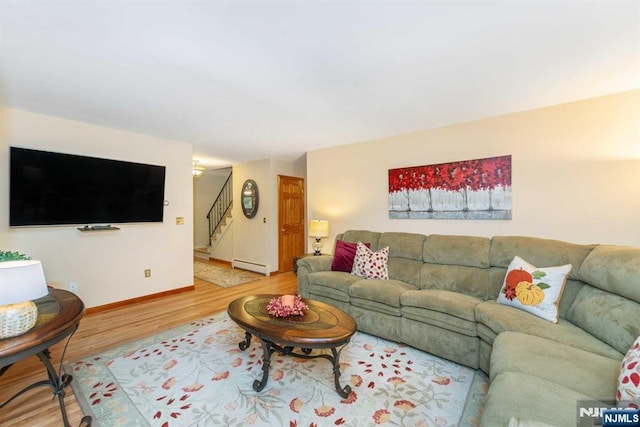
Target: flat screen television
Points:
(47, 188)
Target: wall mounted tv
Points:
(48, 188)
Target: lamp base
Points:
(317, 247)
(16, 319)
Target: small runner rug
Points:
(195, 375)
(223, 277)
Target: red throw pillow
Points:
(343, 256)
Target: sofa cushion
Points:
(448, 310)
(386, 292)
(453, 303)
(443, 342)
(365, 236)
(378, 322)
(370, 264)
(335, 284)
(556, 362)
(614, 269)
(405, 270)
(611, 318)
(524, 396)
(380, 296)
(403, 245)
(456, 263)
(538, 252)
(629, 379)
(533, 289)
(467, 280)
(494, 318)
(469, 251)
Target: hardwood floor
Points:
(111, 328)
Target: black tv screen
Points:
(48, 188)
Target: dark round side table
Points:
(59, 315)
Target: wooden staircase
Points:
(222, 224)
(219, 219)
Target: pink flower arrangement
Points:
(287, 305)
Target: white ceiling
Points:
(252, 79)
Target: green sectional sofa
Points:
(441, 297)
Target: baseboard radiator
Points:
(251, 266)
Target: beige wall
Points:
(576, 173)
(251, 240)
(108, 266)
(576, 177)
(256, 239)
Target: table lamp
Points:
(20, 283)
(318, 228)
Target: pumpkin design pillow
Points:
(532, 289)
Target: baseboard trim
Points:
(101, 308)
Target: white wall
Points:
(575, 173)
(108, 266)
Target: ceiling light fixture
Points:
(197, 170)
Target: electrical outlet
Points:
(147, 272)
(73, 286)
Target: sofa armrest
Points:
(309, 265)
(316, 263)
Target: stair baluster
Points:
(220, 208)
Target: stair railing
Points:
(220, 207)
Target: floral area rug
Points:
(223, 277)
(196, 375)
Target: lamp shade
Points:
(21, 281)
(318, 228)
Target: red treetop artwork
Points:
(471, 175)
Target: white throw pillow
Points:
(369, 264)
(629, 379)
(532, 289)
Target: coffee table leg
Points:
(343, 392)
(247, 341)
(266, 362)
(267, 350)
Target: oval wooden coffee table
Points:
(323, 326)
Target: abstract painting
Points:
(468, 189)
